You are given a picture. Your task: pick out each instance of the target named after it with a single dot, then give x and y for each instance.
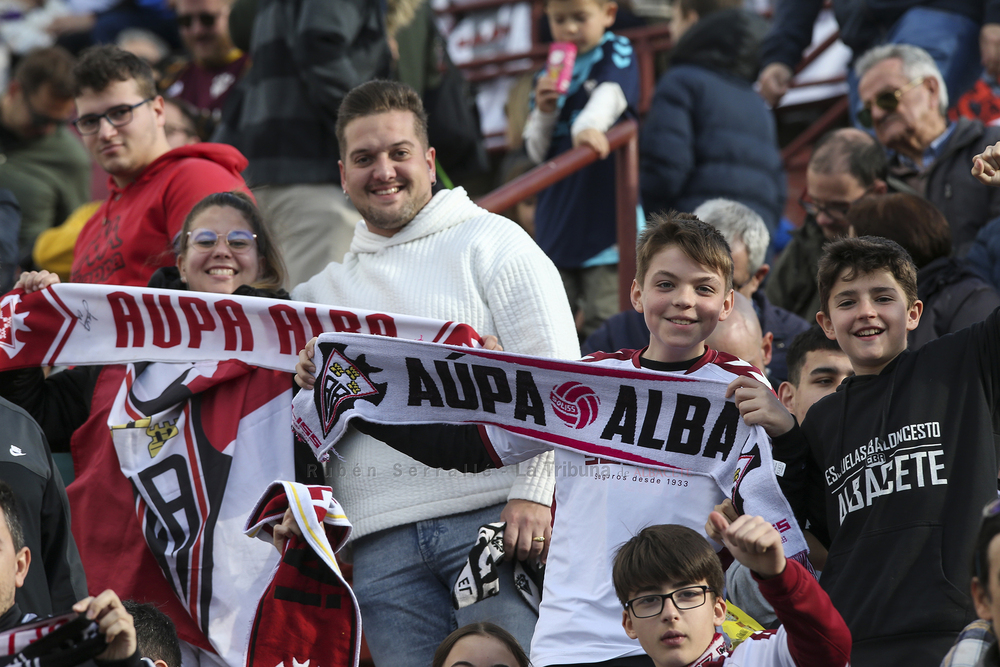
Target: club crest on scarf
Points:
(344, 381)
(10, 323)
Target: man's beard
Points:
(390, 220)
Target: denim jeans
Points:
(403, 579)
(951, 39)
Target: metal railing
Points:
(624, 141)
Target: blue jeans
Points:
(951, 39)
(403, 579)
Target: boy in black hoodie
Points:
(899, 460)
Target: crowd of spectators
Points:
(274, 149)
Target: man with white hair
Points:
(748, 238)
(905, 100)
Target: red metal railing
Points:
(624, 141)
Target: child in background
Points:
(670, 582)
(575, 219)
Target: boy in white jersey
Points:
(683, 287)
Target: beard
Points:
(393, 219)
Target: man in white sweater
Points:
(440, 257)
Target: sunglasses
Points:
(206, 19)
(888, 101)
(238, 240)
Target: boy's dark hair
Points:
(706, 7)
(850, 151)
(865, 254)
(379, 96)
(665, 553)
(8, 503)
(102, 65)
(909, 220)
(484, 629)
(52, 66)
(810, 340)
(155, 633)
(700, 241)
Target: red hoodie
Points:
(131, 234)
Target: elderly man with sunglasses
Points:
(215, 66)
(152, 188)
(41, 163)
(904, 101)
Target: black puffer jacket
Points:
(708, 134)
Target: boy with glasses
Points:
(670, 583)
(121, 120)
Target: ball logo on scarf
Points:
(575, 404)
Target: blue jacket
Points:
(863, 23)
(708, 134)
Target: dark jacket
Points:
(984, 255)
(954, 297)
(898, 468)
(10, 227)
(625, 331)
(784, 327)
(708, 134)
(55, 579)
(863, 23)
(792, 281)
(307, 55)
(967, 205)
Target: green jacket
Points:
(49, 176)
(792, 283)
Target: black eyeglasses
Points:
(689, 597)
(206, 19)
(40, 120)
(238, 240)
(836, 210)
(887, 101)
(118, 117)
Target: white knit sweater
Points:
(453, 261)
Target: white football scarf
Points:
(198, 442)
(635, 416)
(91, 325)
(195, 475)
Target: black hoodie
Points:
(900, 465)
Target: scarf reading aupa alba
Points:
(82, 324)
(639, 417)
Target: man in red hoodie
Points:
(152, 188)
